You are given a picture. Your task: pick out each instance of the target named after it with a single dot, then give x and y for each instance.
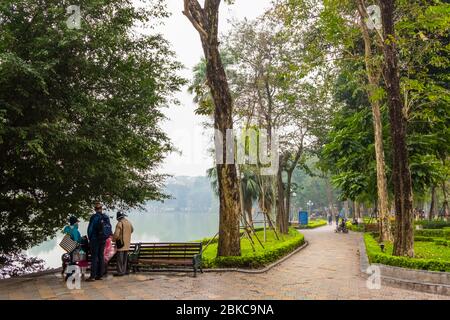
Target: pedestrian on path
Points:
(99, 230)
(329, 218)
(122, 238)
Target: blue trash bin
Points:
(303, 218)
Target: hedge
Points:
(313, 224)
(257, 259)
(424, 239)
(434, 224)
(434, 233)
(375, 255)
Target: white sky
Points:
(183, 126)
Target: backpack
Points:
(104, 228)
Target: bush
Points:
(355, 228)
(442, 242)
(261, 257)
(433, 224)
(434, 233)
(375, 255)
(313, 224)
(446, 232)
(424, 239)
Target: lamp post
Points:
(291, 209)
(309, 204)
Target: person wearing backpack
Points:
(122, 238)
(99, 230)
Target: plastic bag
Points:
(110, 250)
(78, 255)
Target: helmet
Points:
(65, 258)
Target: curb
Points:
(264, 270)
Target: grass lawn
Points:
(428, 255)
(273, 250)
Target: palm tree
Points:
(250, 192)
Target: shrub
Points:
(260, 258)
(313, 224)
(355, 228)
(433, 224)
(424, 239)
(375, 255)
(446, 232)
(435, 233)
(442, 242)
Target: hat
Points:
(120, 215)
(73, 220)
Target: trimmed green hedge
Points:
(433, 224)
(313, 224)
(434, 233)
(424, 239)
(375, 255)
(355, 228)
(261, 257)
(442, 242)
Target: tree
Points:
(401, 174)
(373, 75)
(205, 21)
(80, 113)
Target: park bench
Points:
(167, 256)
(112, 264)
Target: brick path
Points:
(327, 269)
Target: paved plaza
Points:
(328, 268)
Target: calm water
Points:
(148, 227)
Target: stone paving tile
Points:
(326, 269)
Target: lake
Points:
(148, 227)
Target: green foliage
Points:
(314, 224)
(274, 250)
(80, 112)
(429, 256)
(433, 224)
(430, 233)
(423, 238)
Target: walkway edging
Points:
(258, 271)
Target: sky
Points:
(183, 126)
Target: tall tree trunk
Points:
(433, 205)
(205, 21)
(445, 207)
(373, 76)
(281, 210)
(248, 206)
(357, 209)
(401, 175)
(288, 197)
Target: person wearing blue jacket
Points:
(72, 229)
(98, 231)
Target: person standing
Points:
(122, 238)
(97, 234)
(72, 229)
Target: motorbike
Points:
(342, 227)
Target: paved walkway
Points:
(327, 269)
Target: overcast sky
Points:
(183, 126)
